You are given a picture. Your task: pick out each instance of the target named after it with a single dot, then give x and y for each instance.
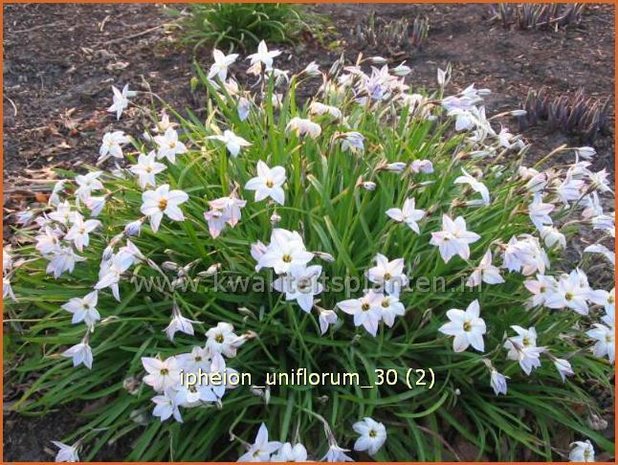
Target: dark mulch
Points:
(60, 61)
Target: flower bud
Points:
(108, 253)
(401, 70)
(134, 228)
(243, 108)
(211, 271)
(396, 167)
(170, 266)
(378, 60)
(275, 219)
(585, 152)
(312, 69)
(325, 256)
(95, 205)
(422, 166)
(131, 384)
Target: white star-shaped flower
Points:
(222, 62)
(467, 326)
(263, 56)
(408, 214)
(146, 169)
(232, 142)
(120, 100)
(162, 201)
(454, 239)
(268, 183)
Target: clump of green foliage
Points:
(244, 25)
(354, 156)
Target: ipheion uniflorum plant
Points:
(228, 243)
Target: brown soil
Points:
(60, 61)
